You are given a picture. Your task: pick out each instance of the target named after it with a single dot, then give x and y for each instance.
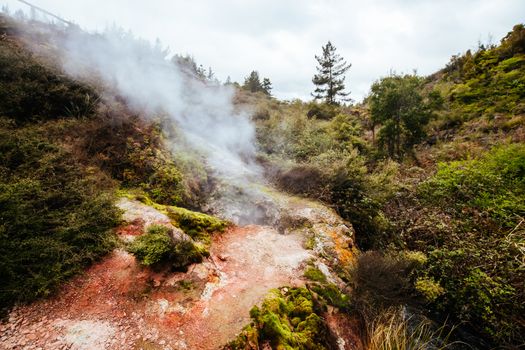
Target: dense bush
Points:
(492, 187)
(491, 80)
(55, 215)
(322, 111)
(157, 247)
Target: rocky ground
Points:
(117, 304)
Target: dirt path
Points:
(117, 304)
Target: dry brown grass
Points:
(394, 330)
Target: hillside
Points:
(145, 207)
(455, 197)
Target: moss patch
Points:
(287, 319)
(314, 274)
(198, 226)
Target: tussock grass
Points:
(395, 331)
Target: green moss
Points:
(314, 274)
(186, 285)
(198, 226)
(333, 296)
(287, 319)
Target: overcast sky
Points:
(279, 38)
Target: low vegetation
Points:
(198, 226)
(157, 248)
(56, 215)
(287, 319)
(430, 171)
(63, 152)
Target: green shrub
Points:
(322, 111)
(490, 80)
(157, 248)
(134, 152)
(469, 222)
(493, 185)
(153, 247)
(429, 288)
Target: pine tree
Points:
(267, 86)
(252, 82)
(330, 78)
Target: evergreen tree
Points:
(252, 82)
(330, 78)
(267, 86)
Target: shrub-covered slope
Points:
(454, 198)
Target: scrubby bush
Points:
(493, 186)
(490, 80)
(133, 151)
(322, 111)
(429, 288)
(157, 247)
(381, 281)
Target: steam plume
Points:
(203, 113)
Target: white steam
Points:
(155, 85)
(150, 82)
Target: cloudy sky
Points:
(279, 38)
